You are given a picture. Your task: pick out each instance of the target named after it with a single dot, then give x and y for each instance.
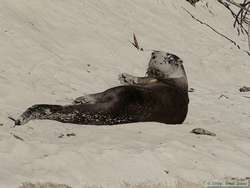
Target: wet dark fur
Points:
(162, 101)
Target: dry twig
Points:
(135, 43)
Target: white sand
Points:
(45, 49)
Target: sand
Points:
(55, 51)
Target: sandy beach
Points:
(53, 51)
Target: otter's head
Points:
(163, 65)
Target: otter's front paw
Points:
(127, 79)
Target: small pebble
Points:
(167, 172)
(244, 89)
(71, 134)
(61, 135)
(191, 90)
(202, 132)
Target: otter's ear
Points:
(179, 61)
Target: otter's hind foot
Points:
(19, 121)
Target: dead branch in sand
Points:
(216, 31)
(241, 18)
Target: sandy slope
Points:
(45, 49)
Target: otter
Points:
(160, 96)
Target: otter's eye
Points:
(172, 62)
